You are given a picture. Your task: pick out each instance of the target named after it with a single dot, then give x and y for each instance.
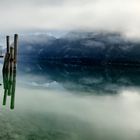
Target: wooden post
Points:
(8, 43)
(15, 47)
(13, 88)
(14, 72)
(10, 72)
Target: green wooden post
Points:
(8, 43)
(15, 47)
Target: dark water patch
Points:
(103, 79)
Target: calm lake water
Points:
(70, 102)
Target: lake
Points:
(55, 101)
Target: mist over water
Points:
(74, 72)
(71, 102)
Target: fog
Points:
(46, 109)
(43, 15)
(100, 117)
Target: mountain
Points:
(81, 47)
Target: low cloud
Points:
(41, 15)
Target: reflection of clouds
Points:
(88, 80)
(130, 100)
(104, 80)
(50, 85)
(115, 116)
(131, 96)
(125, 81)
(111, 87)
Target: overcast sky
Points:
(36, 15)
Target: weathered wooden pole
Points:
(10, 73)
(15, 47)
(8, 43)
(9, 70)
(13, 87)
(14, 72)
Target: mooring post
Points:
(13, 88)
(15, 47)
(10, 72)
(7, 55)
(14, 72)
(8, 43)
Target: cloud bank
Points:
(40, 15)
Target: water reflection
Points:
(103, 80)
(55, 113)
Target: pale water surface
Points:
(68, 102)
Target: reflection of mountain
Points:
(81, 48)
(84, 78)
